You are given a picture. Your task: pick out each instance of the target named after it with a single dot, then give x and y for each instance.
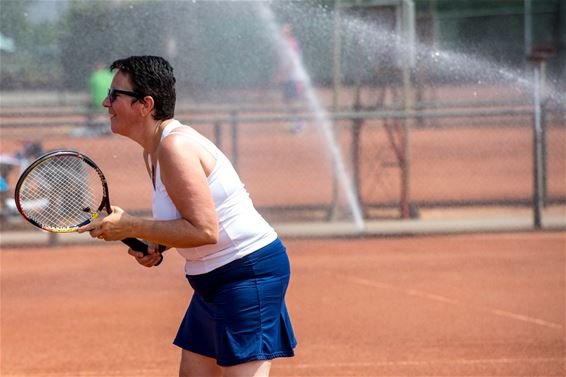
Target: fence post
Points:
(408, 67)
(235, 152)
(53, 239)
(537, 57)
(537, 151)
(357, 124)
(218, 133)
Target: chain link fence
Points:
(460, 157)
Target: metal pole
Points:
(528, 21)
(543, 100)
(408, 65)
(337, 78)
(218, 133)
(537, 152)
(356, 138)
(53, 239)
(235, 152)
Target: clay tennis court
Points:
(469, 305)
(482, 304)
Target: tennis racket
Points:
(64, 190)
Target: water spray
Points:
(321, 115)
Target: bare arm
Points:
(184, 167)
(184, 176)
(183, 172)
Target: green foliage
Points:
(494, 29)
(211, 43)
(223, 44)
(34, 63)
(478, 5)
(13, 20)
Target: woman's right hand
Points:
(153, 257)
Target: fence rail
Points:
(367, 139)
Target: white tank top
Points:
(241, 229)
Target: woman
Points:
(237, 320)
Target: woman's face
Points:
(122, 108)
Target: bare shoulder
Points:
(176, 148)
(188, 145)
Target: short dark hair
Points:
(151, 76)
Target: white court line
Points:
(409, 363)
(91, 373)
(415, 363)
(418, 363)
(434, 297)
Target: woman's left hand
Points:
(113, 227)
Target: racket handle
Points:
(138, 245)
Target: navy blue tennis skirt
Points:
(238, 313)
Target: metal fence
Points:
(461, 155)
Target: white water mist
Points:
(322, 119)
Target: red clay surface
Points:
(468, 305)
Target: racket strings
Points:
(61, 192)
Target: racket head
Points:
(61, 191)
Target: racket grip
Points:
(138, 245)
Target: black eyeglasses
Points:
(112, 94)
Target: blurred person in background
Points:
(98, 84)
(288, 73)
(12, 165)
(237, 320)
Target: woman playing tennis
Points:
(237, 320)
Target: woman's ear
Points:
(147, 105)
